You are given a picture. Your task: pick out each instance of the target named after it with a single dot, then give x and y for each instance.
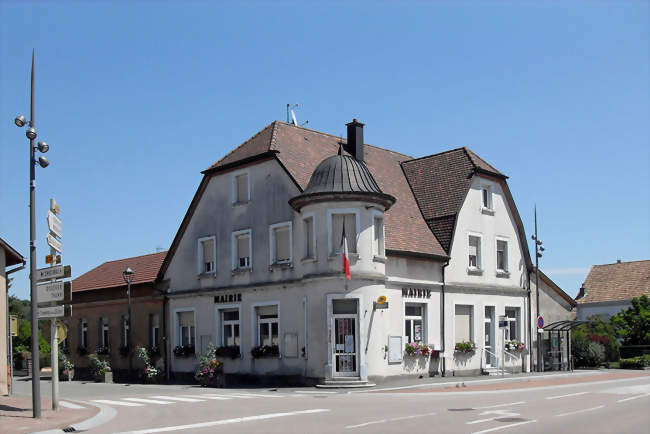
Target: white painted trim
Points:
(376, 213)
(490, 208)
(425, 318)
(234, 176)
(313, 235)
(363, 374)
(217, 309)
(472, 326)
(272, 227)
(254, 323)
(479, 259)
(234, 255)
(200, 254)
(330, 212)
(176, 325)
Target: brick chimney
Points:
(355, 139)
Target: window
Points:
(502, 255)
(154, 327)
(378, 236)
(125, 331)
(463, 323)
(229, 327)
(281, 244)
(240, 188)
(241, 242)
(83, 333)
(104, 333)
(414, 322)
(186, 328)
(309, 240)
(267, 325)
(338, 221)
(207, 254)
(486, 193)
(474, 252)
(512, 331)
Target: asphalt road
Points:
(601, 403)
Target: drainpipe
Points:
(530, 326)
(164, 335)
(443, 368)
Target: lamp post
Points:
(43, 147)
(539, 248)
(128, 275)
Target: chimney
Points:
(355, 139)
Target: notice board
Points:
(394, 349)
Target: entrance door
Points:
(488, 344)
(345, 337)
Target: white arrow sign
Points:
(54, 243)
(54, 224)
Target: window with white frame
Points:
(241, 245)
(83, 333)
(474, 243)
(350, 223)
(240, 188)
(185, 320)
(414, 322)
(463, 323)
(502, 256)
(378, 236)
(229, 327)
(512, 331)
(486, 197)
(308, 238)
(104, 333)
(154, 327)
(207, 255)
(267, 324)
(281, 244)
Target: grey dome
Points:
(342, 177)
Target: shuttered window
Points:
(186, 328)
(267, 325)
(474, 252)
(242, 245)
(378, 236)
(280, 245)
(350, 232)
(502, 255)
(206, 255)
(241, 188)
(463, 323)
(308, 238)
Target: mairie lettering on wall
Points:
(416, 292)
(227, 298)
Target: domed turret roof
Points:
(342, 177)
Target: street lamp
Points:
(539, 248)
(128, 276)
(43, 147)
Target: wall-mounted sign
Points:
(416, 292)
(381, 299)
(227, 298)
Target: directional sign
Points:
(56, 291)
(54, 224)
(54, 311)
(56, 272)
(54, 243)
(14, 325)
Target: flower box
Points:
(184, 351)
(232, 352)
(515, 345)
(416, 349)
(465, 347)
(265, 351)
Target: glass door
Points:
(345, 338)
(488, 344)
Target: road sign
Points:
(49, 259)
(56, 291)
(54, 224)
(56, 272)
(54, 243)
(61, 331)
(54, 311)
(540, 322)
(14, 325)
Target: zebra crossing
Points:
(184, 398)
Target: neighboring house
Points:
(256, 263)
(8, 257)
(610, 288)
(100, 312)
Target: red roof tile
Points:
(620, 281)
(109, 274)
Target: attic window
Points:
(486, 199)
(241, 192)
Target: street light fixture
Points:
(539, 248)
(128, 276)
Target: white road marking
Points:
(498, 413)
(311, 391)
(501, 405)
(217, 397)
(177, 398)
(389, 420)
(122, 403)
(257, 395)
(67, 404)
(566, 396)
(634, 397)
(580, 411)
(147, 401)
(227, 421)
(504, 427)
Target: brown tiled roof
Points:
(109, 274)
(300, 150)
(12, 257)
(620, 281)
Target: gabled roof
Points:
(614, 282)
(12, 256)
(559, 291)
(109, 274)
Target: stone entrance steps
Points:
(344, 383)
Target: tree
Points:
(598, 331)
(633, 324)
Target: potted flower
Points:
(417, 349)
(210, 372)
(150, 373)
(265, 351)
(101, 369)
(103, 350)
(515, 345)
(465, 347)
(66, 368)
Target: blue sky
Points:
(136, 98)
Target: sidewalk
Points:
(16, 415)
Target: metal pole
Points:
(54, 343)
(539, 344)
(36, 372)
(130, 343)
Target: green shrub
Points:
(632, 363)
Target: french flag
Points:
(344, 250)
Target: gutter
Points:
(13, 270)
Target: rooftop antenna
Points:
(290, 114)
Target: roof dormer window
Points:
(486, 200)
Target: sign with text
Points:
(416, 292)
(54, 243)
(54, 311)
(56, 291)
(54, 224)
(56, 272)
(227, 298)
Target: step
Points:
(344, 383)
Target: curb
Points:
(105, 414)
